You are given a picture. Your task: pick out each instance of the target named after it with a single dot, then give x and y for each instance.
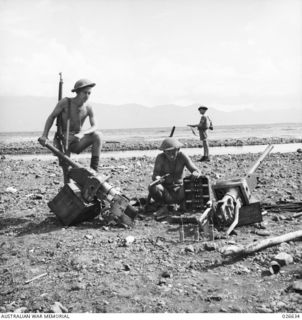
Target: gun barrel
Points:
(257, 163)
(60, 154)
(172, 131)
(60, 87)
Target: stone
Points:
(283, 258)
(297, 286)
(210, 246)
(166, 274)
(78, 286)
(57, 307)
(20, 310)
(263, 233)
(189, 248)
(128, 241)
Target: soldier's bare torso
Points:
(78, 115)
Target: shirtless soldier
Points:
(168, 171)
(78, 139)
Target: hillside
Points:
(30, 113)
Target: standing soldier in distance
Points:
(203, 126)
(74, 112)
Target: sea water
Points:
(280, 130)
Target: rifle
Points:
(59, 137)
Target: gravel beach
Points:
(46, 267)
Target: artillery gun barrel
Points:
(257, 163)
(60, 154)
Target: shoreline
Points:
(33, 147)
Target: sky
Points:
(229, 54)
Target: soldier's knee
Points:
(97, 136)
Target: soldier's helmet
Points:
(82, 83)
(202, 108)
(170, 144)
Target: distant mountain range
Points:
(29, 114)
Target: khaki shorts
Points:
(203, 134)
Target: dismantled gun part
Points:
(236, 205)
(81, 199)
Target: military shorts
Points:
(203, 135)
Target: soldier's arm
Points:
(92, 120)
(190, 165)
(49, 122)
(157, 171)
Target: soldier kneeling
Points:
(167, 186)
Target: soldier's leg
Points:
(160, 194)
(206, 147)
(179, 195)
(94, 139)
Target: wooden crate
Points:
(70, 208)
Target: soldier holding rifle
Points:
(74, 112)
(203, 126)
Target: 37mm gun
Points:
(235, 203)
(81, 197)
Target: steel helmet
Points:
(170, 144)
(203, 108)
(82, 83)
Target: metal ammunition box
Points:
(70, 208)
(197, 193)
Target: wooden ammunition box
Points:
(70, 208)
(197, 193)
(250, 214)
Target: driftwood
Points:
(259, 245)
(35, 278)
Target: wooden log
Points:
(35, 278)
(259, 245)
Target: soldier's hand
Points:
(195, 174)
(159, 179)
(42, 140)
(79, 135)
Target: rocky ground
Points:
(90, 267)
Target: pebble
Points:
(20, 310)
(264, 309)
(210, 246)
(189, 248)
(283, 258)
(263, 233)
(57, 307)
(128, 241)
(126, 267)
(284, 247)
(11, 190)
(297, 286)
(78, 286)
(166, 274)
